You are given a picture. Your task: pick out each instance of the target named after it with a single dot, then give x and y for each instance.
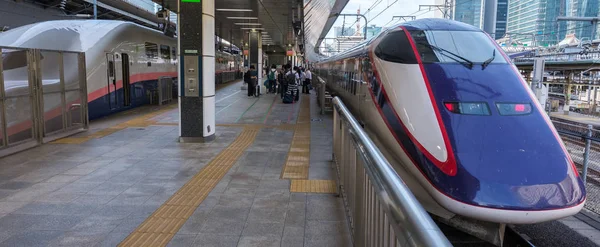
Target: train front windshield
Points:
(437, 46)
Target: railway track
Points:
(593, 175)
(460, 239)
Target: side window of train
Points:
(396, 48)
(111, 69)
(370, 77)
(151, 50)
(354, 79)
(165, 52)
(372, 80)
(351, 83)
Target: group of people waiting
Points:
(284, 81)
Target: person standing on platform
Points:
(272, 77)
(247, 78)
(307, 81)
(297, 82)
(253, 74)
(280, 76)
(286, 81)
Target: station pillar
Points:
(256, 58)
(196, 35)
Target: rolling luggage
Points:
(288, 98)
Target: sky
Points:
(382, 11)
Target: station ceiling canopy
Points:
(235, 18)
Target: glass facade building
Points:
(469, 11)
(372, 31)
(472, 13)
(536, 18)
(501, 15)
(582, 8)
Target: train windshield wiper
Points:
(466, 62)
(487, 62)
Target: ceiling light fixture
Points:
(248, 24)
(252, 28)
(235, 10)
(241, 18)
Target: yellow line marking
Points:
(165, 222)
(142, 121)
(313, 186)
(298, 159)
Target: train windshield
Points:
(437, 46)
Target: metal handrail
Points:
(405, 214)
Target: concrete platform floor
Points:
(128, 180)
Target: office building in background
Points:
(536, 18)
(372, 31)
(346, 31)
(472, 12)
(581, 8)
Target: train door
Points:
(126, 80)
(112, 81)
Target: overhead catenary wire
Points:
(367, 23)
(386, 8)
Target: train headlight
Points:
(468, 108)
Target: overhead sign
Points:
(191, 1)
(290, 53)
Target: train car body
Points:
(123, 60)
(455, 118)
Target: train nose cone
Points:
(522, 180)
(508, 157)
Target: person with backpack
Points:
(299, 77)
(280, 74)
(272, 77)
(291, 89)
(306, 86)
(285, 80)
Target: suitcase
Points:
(288, 98)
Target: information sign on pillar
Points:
(196, 70)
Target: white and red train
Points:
(123, 60)
(463, 130)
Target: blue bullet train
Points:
(459, 123)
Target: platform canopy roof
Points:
(281, 20)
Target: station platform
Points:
(578, 118)
(267, 180)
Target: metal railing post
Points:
(383, 204)
(322, 97)
(586, 154)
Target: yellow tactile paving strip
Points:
(298, 160)
(142, 121)
(313, 186)
(164, 223)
